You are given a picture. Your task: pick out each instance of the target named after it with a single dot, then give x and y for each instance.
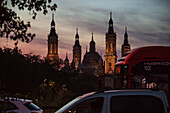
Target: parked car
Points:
(118, 101)
(14, 105)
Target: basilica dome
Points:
(92, 59)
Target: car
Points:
(15, 105)
(118, 101)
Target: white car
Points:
(12, 105)
(118, 101)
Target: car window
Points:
(136, 104)
(89, 106)
(31, 106)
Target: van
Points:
(118, 101)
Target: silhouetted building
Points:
(53, 43)
(126, 45)
(92, 61)
(66, 62)
(110, 55)
(76, 52)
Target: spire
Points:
(66, 56)
(77, 35)
(53, 22)
(126, 35)
(125, 29)
(53, 16)
(77, 38)
(111, 30)
(126, 38)
(92, 45)
(52, 31)
(92, 37)
(110, 15)
(66, 61)
(76, 30)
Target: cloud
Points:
(155, 38)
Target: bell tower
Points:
(66, 62)
(126, 45)
(53, 43)
(76, 52)
(110, 54)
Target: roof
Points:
(147, 53)
(92, 57)
(150, 51)
(156, 93)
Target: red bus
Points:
(144, 67)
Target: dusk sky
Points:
(148, 23)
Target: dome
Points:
(93, 59)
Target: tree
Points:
(11, 25)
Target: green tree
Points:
(11, 25)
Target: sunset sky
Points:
(148, 23)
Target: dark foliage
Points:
(33, 77)
(11, 25)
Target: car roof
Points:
(151, 92)
(14, 100)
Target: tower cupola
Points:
(125, 46)
(53, 31)
(126, 38)
(52, 22)
(77, 39)
(92, 45)
(111, 30)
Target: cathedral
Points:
(92, 62)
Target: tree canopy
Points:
(12, 26)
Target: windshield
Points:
(68, 105)
(31, 106)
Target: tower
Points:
(110, 54)
(125, 46)
(53, 43)
(76, 51)
(66, 62)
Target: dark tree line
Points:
(33, 77)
